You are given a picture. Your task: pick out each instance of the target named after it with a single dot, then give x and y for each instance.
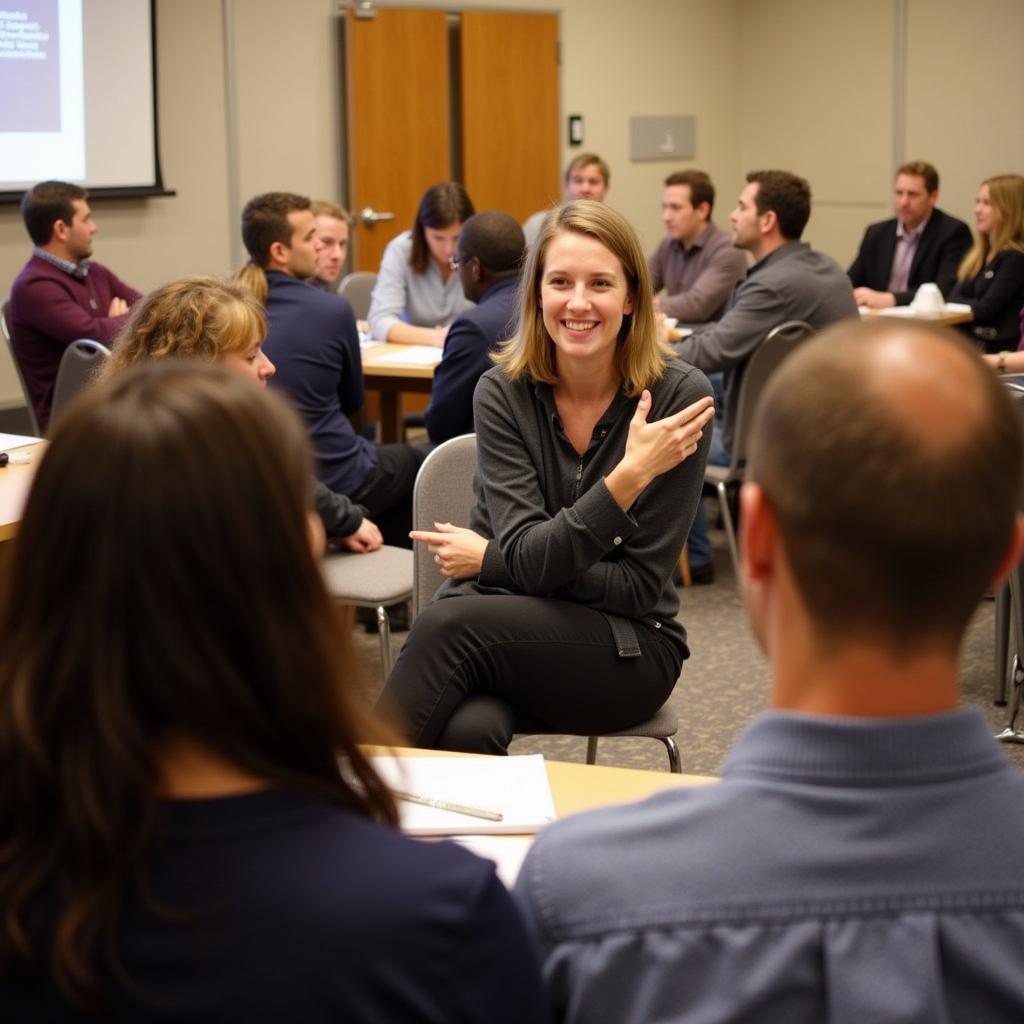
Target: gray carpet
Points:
(723, 684)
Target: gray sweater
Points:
(557, 530)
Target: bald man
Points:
(861, 859)
(488, 256)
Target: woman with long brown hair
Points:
(418, 294)
(188, 828)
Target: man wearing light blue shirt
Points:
(861, 858)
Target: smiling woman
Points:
(417, 295)
(559, 613)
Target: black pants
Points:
(387, 491)
(475, 670)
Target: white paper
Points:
(909, 311)
(507, 853)
(417, 355)
(9, 441)
(516, 787)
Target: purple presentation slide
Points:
(29, 66)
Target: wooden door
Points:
(399, 132)
(509, 85)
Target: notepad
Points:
(11, 441)
(516, 787)
(415, 355)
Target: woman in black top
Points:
(591, 453)
(991, 277)
(177, 838)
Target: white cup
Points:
(928, 299)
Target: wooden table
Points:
(948, 319)
(14, 486)
(391, 379)
(582, 787)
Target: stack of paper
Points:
(514, 788)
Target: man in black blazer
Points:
(920, 244)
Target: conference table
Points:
(395, 370)
(960, 314)
(574, 788)
(15, 482)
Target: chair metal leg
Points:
(591, 750)
(1013, 733)
(384, 631)
(730, 531)
(1002, 618)
(674, 763)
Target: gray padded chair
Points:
(777, 345)
(357, 288)
(29, 407)
(443, 494)
(375, 580)
(78, 367)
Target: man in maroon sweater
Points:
(60, 295)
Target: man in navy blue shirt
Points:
(313, 341)
(488, 257)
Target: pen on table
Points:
(445, 805)
(15, 458)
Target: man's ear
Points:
(758, 533)
(769, 221)
(278, 253)
(1013, 553)
(60, 231)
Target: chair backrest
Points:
(443, 494)
(357, 288)
(79, 365)
(30, 408)
(769, 355)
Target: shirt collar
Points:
(834, 750)
(911, 236)
(79, 270)
(700, 241)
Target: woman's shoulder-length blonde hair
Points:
(192, 318)
(641, 354)
(1006, 194)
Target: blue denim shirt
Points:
(845, 871)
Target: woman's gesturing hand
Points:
(458, 551)
(656, 447)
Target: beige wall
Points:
(806, 84)
(818, 97)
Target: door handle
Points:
(368, 215)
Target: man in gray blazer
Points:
(788, 281)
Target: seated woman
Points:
(418, 294)
(559, 612)
(220, 322)
(188, 828)
(991, 277)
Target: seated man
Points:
(788, 281)
(696, 263)
(920, 244)
(332, 230)
(587, 177)
(488, 256)
(861, 858)
(313, 341)
(60, 295)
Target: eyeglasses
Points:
(455, 261)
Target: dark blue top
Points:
(291, 909)
(466, 348)
(313, 341)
